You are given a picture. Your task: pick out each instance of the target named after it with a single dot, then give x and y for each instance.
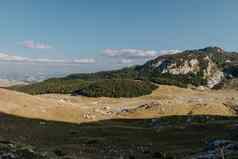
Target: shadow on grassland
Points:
(178, 135)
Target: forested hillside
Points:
(208, 67)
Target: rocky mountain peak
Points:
(214, 49)
(206, 66)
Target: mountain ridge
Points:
(208, 66)
(211, 67)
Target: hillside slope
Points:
(21, 104)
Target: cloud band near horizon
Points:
(128, 55)
(13, 58)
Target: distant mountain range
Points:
(15, 77)
(210, 67)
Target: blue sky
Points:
(78, 32)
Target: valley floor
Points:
(170, 122)
(165, 101)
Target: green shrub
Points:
(124, 73)
(179, 80)
(54, 85)
(117, 88)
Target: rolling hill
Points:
(211, 67)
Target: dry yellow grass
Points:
(168, 100)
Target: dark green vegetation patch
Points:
(54, 85)
(107, 88)
(117, 88)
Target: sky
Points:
(69, 36)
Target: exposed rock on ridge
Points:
(211, 64)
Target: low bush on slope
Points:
(124, 73)
(54, 85)
(98, 88)
(179, 80)
(117, 88)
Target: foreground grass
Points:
(113, 138)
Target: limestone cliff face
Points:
(213, 74)
(191, 66)
(205, 63)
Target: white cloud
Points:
(84, 61)
(165, 52)
(6, 57)
(127, 55)
(30, 44)
(130, 53)
(13, 58)
(126, 61)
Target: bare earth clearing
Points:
(165, 101)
